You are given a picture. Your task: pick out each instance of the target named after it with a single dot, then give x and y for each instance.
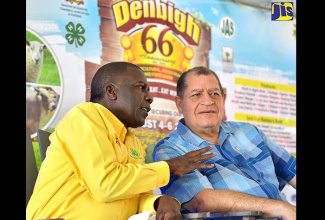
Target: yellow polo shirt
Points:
(94, 169)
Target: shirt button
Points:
(258, 180)
(237, 148)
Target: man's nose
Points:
(207, 100)
(149, 97)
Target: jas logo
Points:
(227, 27)
(281, 11)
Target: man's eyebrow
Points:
(215, 89)
(196, 90)
(140, 82)
(201, 90)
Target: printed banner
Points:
(251, 45)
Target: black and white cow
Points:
(38, 103)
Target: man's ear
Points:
(110, 91)
(224, 98)
(178, 104)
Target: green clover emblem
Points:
(75, 34)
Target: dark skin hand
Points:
(190, 161)
(167, 209)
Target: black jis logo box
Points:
(281, 11)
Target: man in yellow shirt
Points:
(95, 166)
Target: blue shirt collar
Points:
(187, 134)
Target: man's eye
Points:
(214, 94)
(143, 87)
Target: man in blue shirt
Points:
(250, 169)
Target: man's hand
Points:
(167, 209)
(190, 161)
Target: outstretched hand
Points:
(190, 161)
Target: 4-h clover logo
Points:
(75, 34)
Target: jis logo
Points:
(281, 11)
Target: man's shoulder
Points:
(172, 134)
(86, 110)
(89, 107)
(81, 106)
(169, 137)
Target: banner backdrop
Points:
(253, 54)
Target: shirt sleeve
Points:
(147, 200)
(100, 161)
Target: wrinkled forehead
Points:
(202, 81)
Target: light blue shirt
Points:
(246, 161)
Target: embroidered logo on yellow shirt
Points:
(117, 141)
(135, 154)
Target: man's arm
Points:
(293, 182)
(229, 201)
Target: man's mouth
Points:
(207, 112)
(145, 109)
